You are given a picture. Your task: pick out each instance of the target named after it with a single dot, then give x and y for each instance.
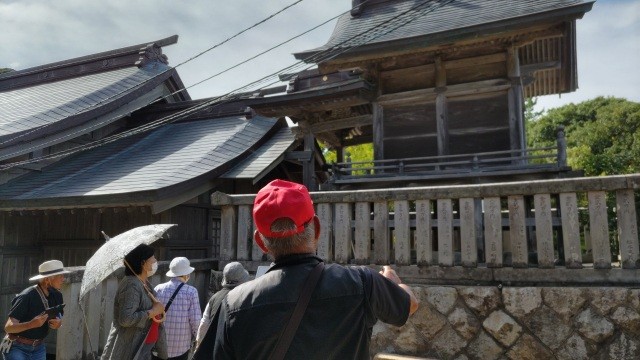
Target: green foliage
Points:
(602, 135)
(4, 70)
(362, 154)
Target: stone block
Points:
(575, 348)
(634, 299)
(502, 327)
(520, 302)
(427, 320)
(528, 348)
(593, 326)
(484, 348)
(448, 343)
(604, 299)
(483, 300)
(548, 327)
(464, 322)
(627, 319)
(442, 298)
(567, 302)
(624, 348)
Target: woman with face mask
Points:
(136, 331)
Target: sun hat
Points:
(234, 274)
(179, 266)
(49, 268)
(282, 199)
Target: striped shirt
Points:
(183, 317)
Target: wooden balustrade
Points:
(546, 224)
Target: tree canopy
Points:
(603, 134)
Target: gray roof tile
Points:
(435, 17)
(164, 157)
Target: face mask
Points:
(154, 268)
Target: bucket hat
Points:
(234, 274)
(49, 268)
(179, 266)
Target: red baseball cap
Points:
(282, 199)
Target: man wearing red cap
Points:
(344, 304)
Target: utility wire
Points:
(164, 71)
(371, 34)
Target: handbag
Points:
(154, 330)
(284, 341)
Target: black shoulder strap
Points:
(292, 326)
(166, 308)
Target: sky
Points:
(37, 32)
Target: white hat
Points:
(49, 268)
(179, 266)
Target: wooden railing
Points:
(589, 223)
(552, 158)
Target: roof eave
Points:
(575, 11)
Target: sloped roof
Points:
(53, 103)
(436, 21)
(265, 158)
(144, 168)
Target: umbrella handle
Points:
(163, 317)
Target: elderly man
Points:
(28, 322)
(342, 303)
(233, 275)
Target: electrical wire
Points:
(371, 34)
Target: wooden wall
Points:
(72, 236)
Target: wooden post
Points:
(599, 229)
(571, 230)
(627, 229)
(378, 131)
(442, 121)
(228, 239)
(109, 290)
(469, 251)
(326, 232)
(381, 245)
(69, 344)
(445, 232)
(245, 232)
(493, 232)
(363, 233)
(343, 232)
(308, 166)
(544, 231)
(423, 234)
(402, 248)
(92, 309)
(515, 100)
(518, 232)
(562, 147)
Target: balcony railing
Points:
(483, 232)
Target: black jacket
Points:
(337, 324)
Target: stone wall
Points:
(483, 322)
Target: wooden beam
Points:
(339, 124)
(430, 94)
(308, 167)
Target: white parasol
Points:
(109, 256)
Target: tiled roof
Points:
(53, 103)
(436, 18)
(264, 158)
(168, 156)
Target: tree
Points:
(603, 134)
(4, 70)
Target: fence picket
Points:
(423, 234)
(627, 229)
(544, 231)
(493, 231)
(363, 233)
(571, 230)
(599, 229)
(381, 247)
(445, 232)
(343, 232)
(402, 232)
(518, 232)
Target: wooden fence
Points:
(535, 231)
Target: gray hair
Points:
(286, 245)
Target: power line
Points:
(166, 70)
(386, 26)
